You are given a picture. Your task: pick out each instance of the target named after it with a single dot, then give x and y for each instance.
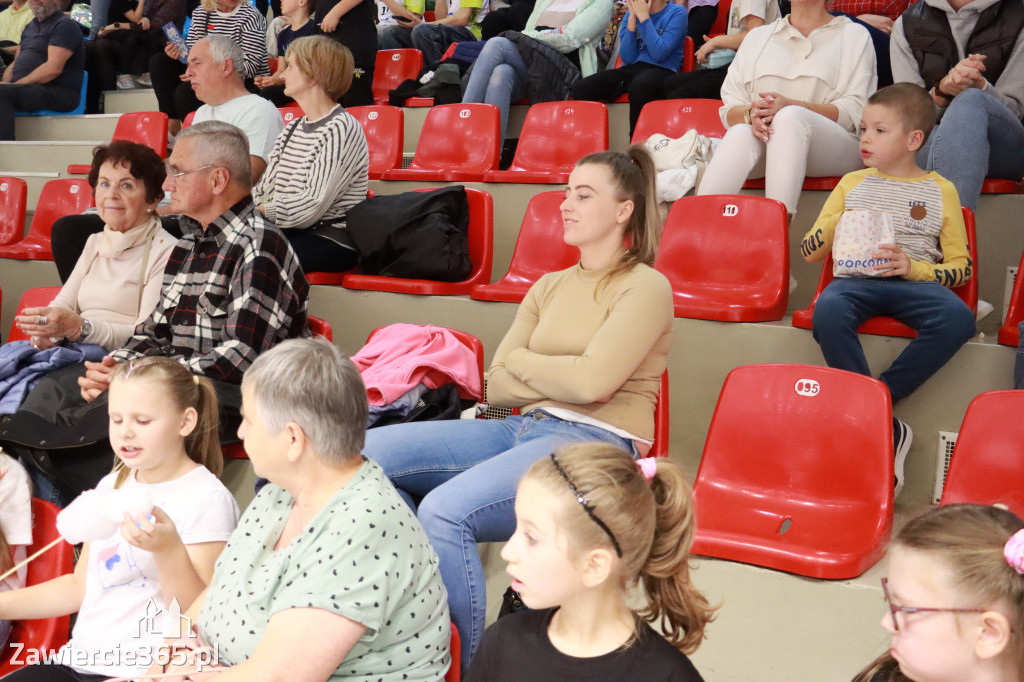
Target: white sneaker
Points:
(144, 81)
(125, 82)
(902, 437)
(792, 284)
(984, 308)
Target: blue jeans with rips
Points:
(464, 474)
(943, 323)
(978, 137)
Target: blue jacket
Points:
(22, 365)
(658, 41)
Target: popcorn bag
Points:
(858, 235)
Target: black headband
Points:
(587, 507)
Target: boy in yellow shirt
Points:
(929, 256)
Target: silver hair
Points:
(221, 144)
(313, 384)
(223, 48)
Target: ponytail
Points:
(650, 527)
(634, 176)
(186, 390)
(680, 610)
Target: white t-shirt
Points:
(258, 118)
(121, 622)
(15, 516)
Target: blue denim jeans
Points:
(464, 474)
(943, 323)
(100, 9)
(499, 77)
(978, 137)
(433, 40)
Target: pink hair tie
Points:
(1013, 550)
(648, 467)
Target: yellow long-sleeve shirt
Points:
(926, 218)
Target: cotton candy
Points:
(97, 514)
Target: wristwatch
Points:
(85, 330)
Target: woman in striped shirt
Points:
(235, 19)
(318, 169)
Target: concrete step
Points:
(124, 101)
(65, 128)
(45, 157)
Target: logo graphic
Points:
(164, 622)
(807, 387)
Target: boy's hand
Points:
(154, 533)
(899, 265)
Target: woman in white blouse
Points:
(792, 104)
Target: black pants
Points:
(641, 80)
(319, 254)
(31, 97)
(699, 84)
(69, 234)
(52, 673)
(115, 53)
(699, 21)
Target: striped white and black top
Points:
(244, 25)
(316, 173)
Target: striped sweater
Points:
(926, 218)
(316, 173)
(244, 25)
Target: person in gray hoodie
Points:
(969, 54)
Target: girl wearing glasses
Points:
(955, 593)
(590, 523)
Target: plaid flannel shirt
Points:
(230, 292)
(886, 8)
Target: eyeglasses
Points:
(896, 609)
(173, 176)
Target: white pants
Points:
(802, 143)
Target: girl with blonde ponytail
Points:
(583, 361)
(591, 523)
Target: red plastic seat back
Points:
(727, 257)
(454, 672)
(673, 117)
(662, 417)
(797, 471)
(145, 127)
(385, 135)
(721, 25)
(556, 135)
(321, 327)
(987, 466)
(44, 633)
(68, 196)
(391, 68)
(13, 196)
(540, 249)
(289, 114)
(189, 117)
(39, 297)
(461, 137)
(888, 326)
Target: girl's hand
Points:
(97, 377)
(155, 533)
(49, 322)
(330, 22)
(900, 265)
(641, 9)
(709, 46)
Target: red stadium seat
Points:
(43, 634)
(58, 199)
(13, 196)
(887, 326)
(454, 673)
(1000, 186)
(797, 471)
(721, 25)
(673, 117)
(662, 417)
(391, 68)
(458, 142)
(319, 327)
(481, 236)
(727, 257)
(1009, 334)
(554, 137)
(384, 130)
(38, 297)
(289, 114)
(987, 465)
(540, 249)
(188, 119)
(145, 127)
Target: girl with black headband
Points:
(591, 523)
